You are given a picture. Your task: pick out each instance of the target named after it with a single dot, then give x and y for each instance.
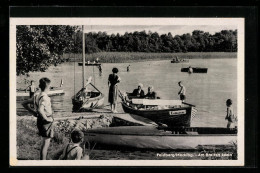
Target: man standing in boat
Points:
(182, 92)
(113, 80)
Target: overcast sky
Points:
(174, 29)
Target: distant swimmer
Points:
(190, 70)
(182, 92)
(128, 68)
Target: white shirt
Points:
(45, 101)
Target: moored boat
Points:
(22, 95)
(195, 70)
(173, 113)
(148, 137)
(89, 64)
(86, 101)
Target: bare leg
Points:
(228, 124)
(44, 148)
(111, 107)
(114, 107)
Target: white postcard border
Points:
(239, 22)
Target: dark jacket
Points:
(151, 95)
(135, 93)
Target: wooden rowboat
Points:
(195, 70)
(173, 113)
(148, 137)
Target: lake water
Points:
(208, 92)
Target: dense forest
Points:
(198, 41)
(40, 46)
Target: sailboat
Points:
(86, 100)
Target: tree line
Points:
(39, 46)
(198, 41)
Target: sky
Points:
(163, 29)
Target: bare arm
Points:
(180, 90)
(42, 113)
(27, 107)
(79, 154)
(27, 88)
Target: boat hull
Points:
(151, 138)
(91, 64)
(92, 103)
(171, 117)
(182, 61)
(26, 95)
(195, 70)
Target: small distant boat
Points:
(173, 113)
(148, 137)
(89, 64)
(195, 70)
(55, 91)
(179, 61)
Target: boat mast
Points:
(83, 58)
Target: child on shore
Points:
(73, 151)
(230, 114)
(32, 89)
(43, 112)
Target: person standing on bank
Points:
(32, 89)
(43, 112)
(113, 80)
(128, 68)
(230, 114)
(182, 92)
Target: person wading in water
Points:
(182, 92)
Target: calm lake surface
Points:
(208, 92)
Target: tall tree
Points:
(38, 47)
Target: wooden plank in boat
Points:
(156, 102)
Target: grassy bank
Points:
(29, 142)
(124, 57)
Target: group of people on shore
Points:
(43, 111)
(76, 149)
